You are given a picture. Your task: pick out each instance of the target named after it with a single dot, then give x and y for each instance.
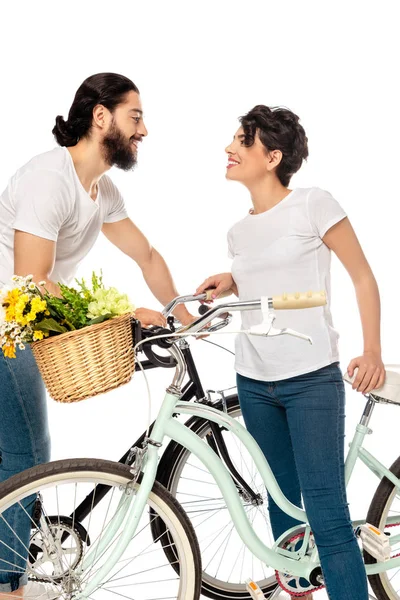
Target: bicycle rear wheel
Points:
(65, 554)
(385, 504)
(227, 562)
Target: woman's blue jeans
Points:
(24, 442)
(299, 425)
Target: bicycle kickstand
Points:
(276, 593)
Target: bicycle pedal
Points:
(375, 542)
(254, 590)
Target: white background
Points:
(199, 66)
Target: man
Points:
(50, 216)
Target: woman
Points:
(292, 394)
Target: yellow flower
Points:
(12, 296)
(21, 303)
(37, 306)
(20, 319)
(10, 302)
(38, 335)
(9, 350)
(10, 313)
(19, 309)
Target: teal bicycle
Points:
(140, 543)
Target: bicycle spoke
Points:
(199, 481)
(198, 468)
(234, 564)
(60, 556)
(136, 535)
(141, 554)
(73, 522)
(222, 555)
(222, 543)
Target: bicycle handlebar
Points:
(283, 302)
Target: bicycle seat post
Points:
(368, 410)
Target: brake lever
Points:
(220, 324)
(266, 329)
(287, 331)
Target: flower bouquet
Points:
(82, 341)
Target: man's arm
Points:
(35, 256)
(131, 241)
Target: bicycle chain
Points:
(281, 578)
(295, 594)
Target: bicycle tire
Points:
(43, 476)
(377, 514)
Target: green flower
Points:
(108, 302)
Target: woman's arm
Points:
(342, 239)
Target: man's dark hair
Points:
(108, 89)
(278, 129)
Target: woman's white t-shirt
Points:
(46, 198)
(281, 250)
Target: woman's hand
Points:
(149, 317)
(371, 372)
(223, 282)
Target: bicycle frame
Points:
(166, 425)
(193, 389)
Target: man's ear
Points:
(101, 116)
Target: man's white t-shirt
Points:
(46, 198)
(281, 250)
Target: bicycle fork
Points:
(130, 510)
(136, 501)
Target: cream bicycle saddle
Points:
(390, 390)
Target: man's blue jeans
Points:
(24, 442)
(299, 425)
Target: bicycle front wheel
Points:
(65, 554)
(227, 562)
(386, 504)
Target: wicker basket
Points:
(90, 361)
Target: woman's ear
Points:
(274, 157)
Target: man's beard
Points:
(117, 150)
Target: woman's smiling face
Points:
(249, 164)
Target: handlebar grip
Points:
(210, 292)
(299, 300)
(203, 308)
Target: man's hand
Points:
(189, 319)
(149, 317)
(223, 282)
